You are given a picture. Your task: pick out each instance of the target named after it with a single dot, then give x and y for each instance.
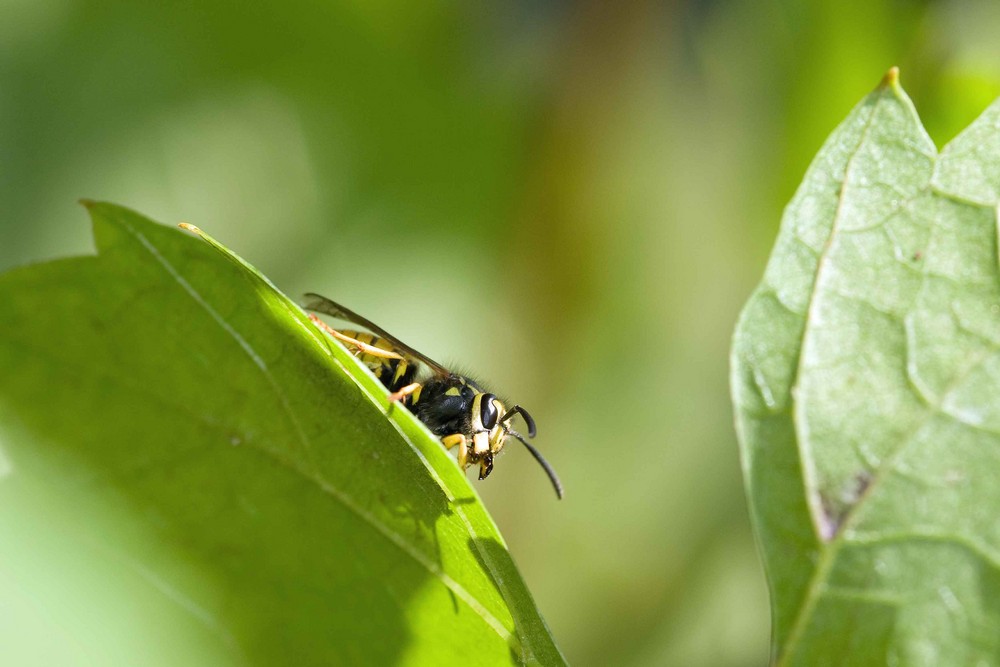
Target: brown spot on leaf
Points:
(837, 506)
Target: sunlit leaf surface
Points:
(866, 379)
(191, 473)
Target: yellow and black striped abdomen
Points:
(393, 373)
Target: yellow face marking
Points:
(477, 422)
(481, 443)
(497, 442)
(498, 435)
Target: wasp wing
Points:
(320, 304)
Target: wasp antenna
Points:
(556, 484)
(517, 409)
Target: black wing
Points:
(320, 304)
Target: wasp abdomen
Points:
(393, 373)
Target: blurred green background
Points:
(570, 199)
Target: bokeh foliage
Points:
(570, 199)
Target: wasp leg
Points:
(361, 347)
(463, 448)
(404, 392)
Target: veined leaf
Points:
(866, 382)
(191, 472)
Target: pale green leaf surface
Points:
(866, 371)
(190, 472)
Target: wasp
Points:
(453, 406)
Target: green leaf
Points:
(190, 471)
(866, 377)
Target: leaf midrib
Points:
(807, 463)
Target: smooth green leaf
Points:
(190, 472)
(866, 376)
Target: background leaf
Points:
(865, 373)
(185, 454)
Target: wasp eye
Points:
(488, 411)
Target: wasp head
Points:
(491, 426)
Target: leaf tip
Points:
(197, 231)
(890, 80)
(86, 203)
(204, 236)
